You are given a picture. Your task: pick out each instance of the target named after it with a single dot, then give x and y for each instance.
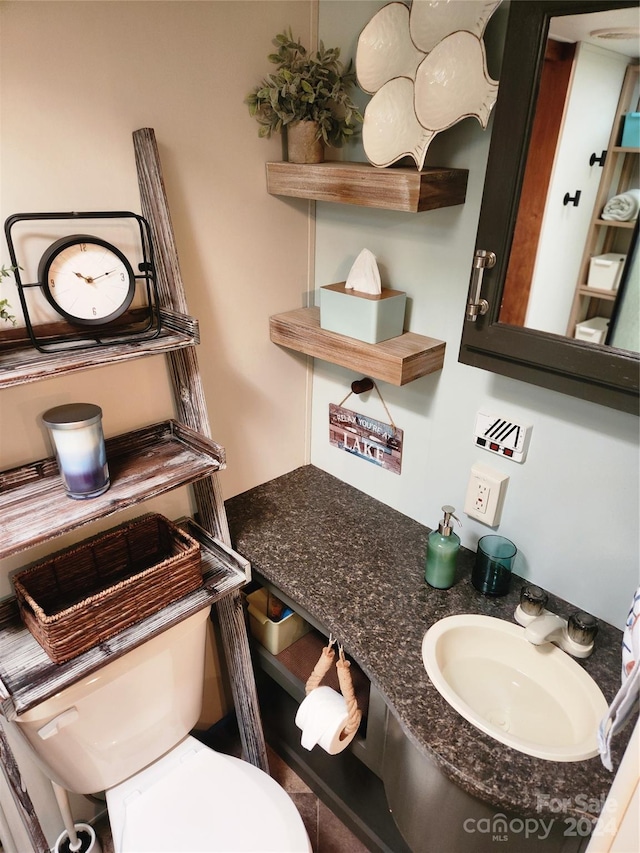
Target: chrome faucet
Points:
(574, 636)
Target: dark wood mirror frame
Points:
(604, 375)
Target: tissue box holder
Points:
(605, 271)
(274, 636)
(362, 316)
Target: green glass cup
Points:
(492, 569)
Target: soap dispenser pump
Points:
(442, 552)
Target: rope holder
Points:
(343, 666)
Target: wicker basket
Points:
(87, 593)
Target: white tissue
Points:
(322, 716)
(364, 275)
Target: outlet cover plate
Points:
(485, 494)
(504, 436)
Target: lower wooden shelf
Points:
(392, 188)
(397, 361)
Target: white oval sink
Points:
(536, 699)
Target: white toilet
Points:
(125, 730)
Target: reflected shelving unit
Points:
(619, 173)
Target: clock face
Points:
(87, 280)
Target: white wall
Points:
(572, 507)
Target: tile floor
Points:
(327, 833)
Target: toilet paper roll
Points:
(322, 716)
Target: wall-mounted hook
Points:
(572, 199)
(599, 160)
(361, 385)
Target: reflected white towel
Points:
(623, 207)
(627, 697)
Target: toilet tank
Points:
(116, 721)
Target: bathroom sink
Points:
(536, 699)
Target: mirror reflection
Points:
(574, 271)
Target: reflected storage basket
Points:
(85, 594)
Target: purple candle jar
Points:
(76, 431)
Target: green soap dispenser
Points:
(442, 552)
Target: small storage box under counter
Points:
(274, 636)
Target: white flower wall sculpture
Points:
(427, 70)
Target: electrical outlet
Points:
(485, 494)
(481, 495)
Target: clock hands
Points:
(95, 278)
(90, 279)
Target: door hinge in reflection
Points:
(482, 260)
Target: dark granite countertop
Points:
(357, 566)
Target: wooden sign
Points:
(365, 437)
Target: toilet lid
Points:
(212, 802)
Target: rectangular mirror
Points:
(542, 303)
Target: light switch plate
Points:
(503, 436)
(485, 494)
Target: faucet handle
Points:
(582, 628)
(533, 600)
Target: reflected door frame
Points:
(554, 85)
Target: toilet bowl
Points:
(125, 730)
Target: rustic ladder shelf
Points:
(397, 361)
(393, 188)
(142, 464)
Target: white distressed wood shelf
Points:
(397, 361)
(393, 188)
(142, 464)
(21, 362)
(27, 674)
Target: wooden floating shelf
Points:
(392, 188)
(21, 362)
(142, 464)
(27, 674)
(397, 361)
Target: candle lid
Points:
(72, 416)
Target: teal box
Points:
(631, 131)
(362, 316)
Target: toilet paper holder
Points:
(343, 667)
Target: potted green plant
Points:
(308, 93)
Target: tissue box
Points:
(594, 330)
(274, 636)
(605, 271)
(631, 131)
(361, 315)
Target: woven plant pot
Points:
(302, 145)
